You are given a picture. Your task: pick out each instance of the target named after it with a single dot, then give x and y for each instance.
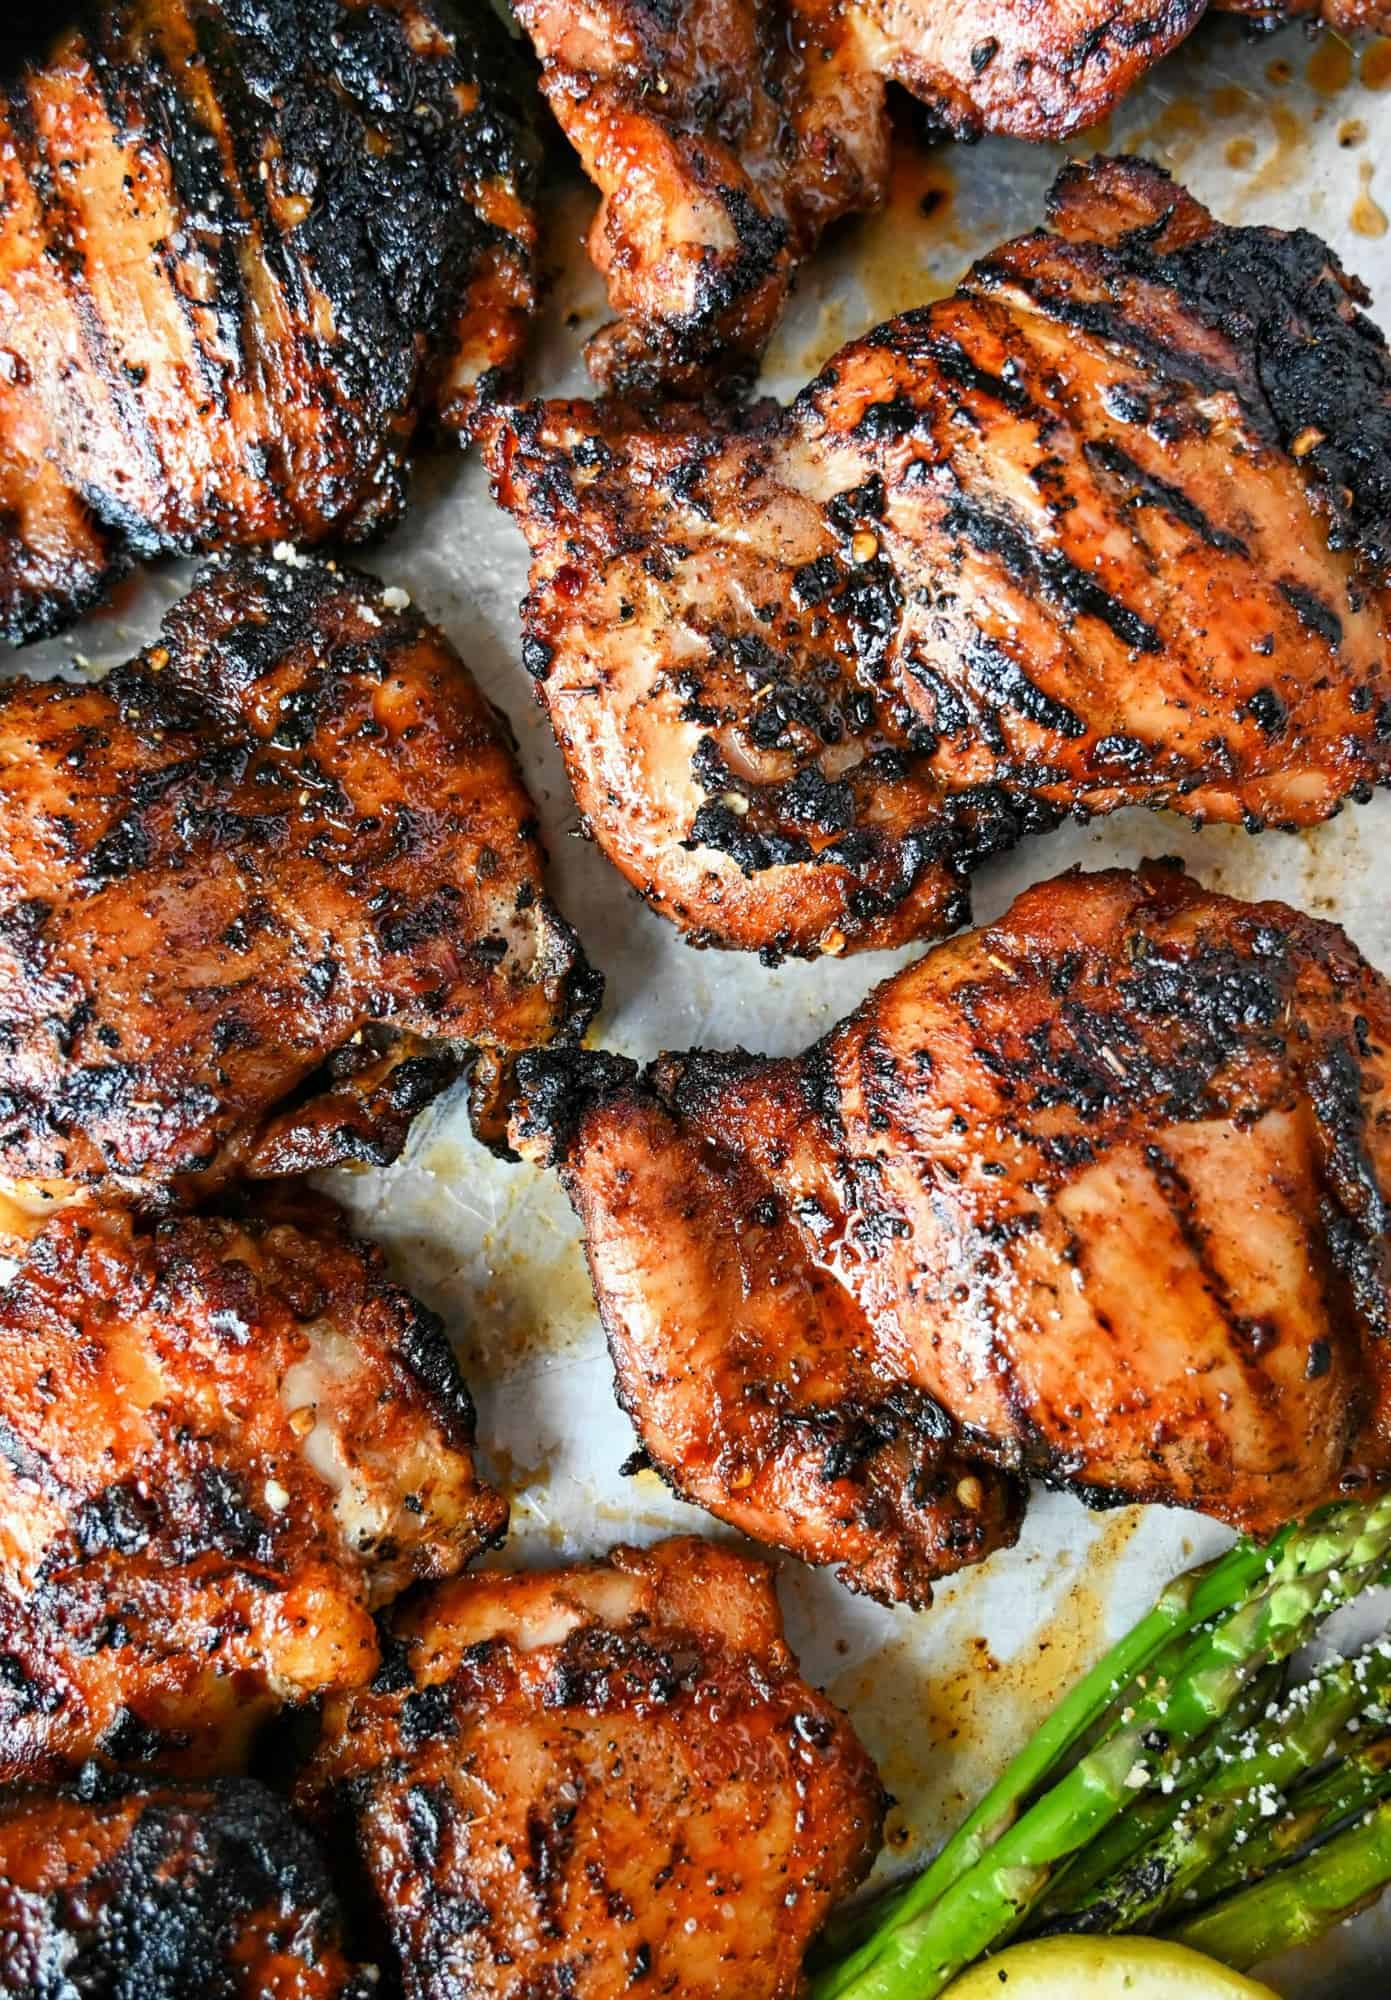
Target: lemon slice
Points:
(1098, 1968)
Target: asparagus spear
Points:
(1299, 1903)
(1189, 1601)
(1241, 1792)
(1360, 1777)
(1117, 1845)
(999, 1864)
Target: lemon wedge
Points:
(1101, 1968)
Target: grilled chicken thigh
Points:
(1108, 527)
(226, 1440)
(725, 135)
(243, 244)
(995, 1209)
(601, 1780)
(262, 891)
(160, 1891)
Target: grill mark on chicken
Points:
(247, 249)
(1052, 576)
(189, 147)
(596, 1779)
(1167, 364)
(1147, 489)
(1072, 540)
(165, 1890)
(61, 232)
(271, 887)
(725, 135)
(914, 333)
(227, 1439)
(1006, 1181)
(1185, 1213)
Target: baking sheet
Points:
(1283, 130)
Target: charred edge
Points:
(556, 1090)
(423, 1348)
(191, 1885)
(761, 239)
(27, 616)
(582, 985)
(1309, 366)
(1322, 366)
(691, 1083)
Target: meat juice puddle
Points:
(940, 1728)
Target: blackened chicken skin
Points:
(1106, 528)
(725, 135)
(244, 248)
(227, 1440)
(601, 1780)
(262, 893)
(1004, 1189)
(165, 1891)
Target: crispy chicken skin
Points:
(1004, 1190)
(262, 891)
(601, 1780)
(161, 1891)
(226, 1439)
(1108, 527)
(725, 135)
(243, 243)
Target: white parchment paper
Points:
(1282, 130)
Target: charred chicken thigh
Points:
(601, 1780)
(244, 245)
(1108, 527)
(725, 135)
(227, 1440)
(264, 892)
(160, 1891)
(1098, 1195)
